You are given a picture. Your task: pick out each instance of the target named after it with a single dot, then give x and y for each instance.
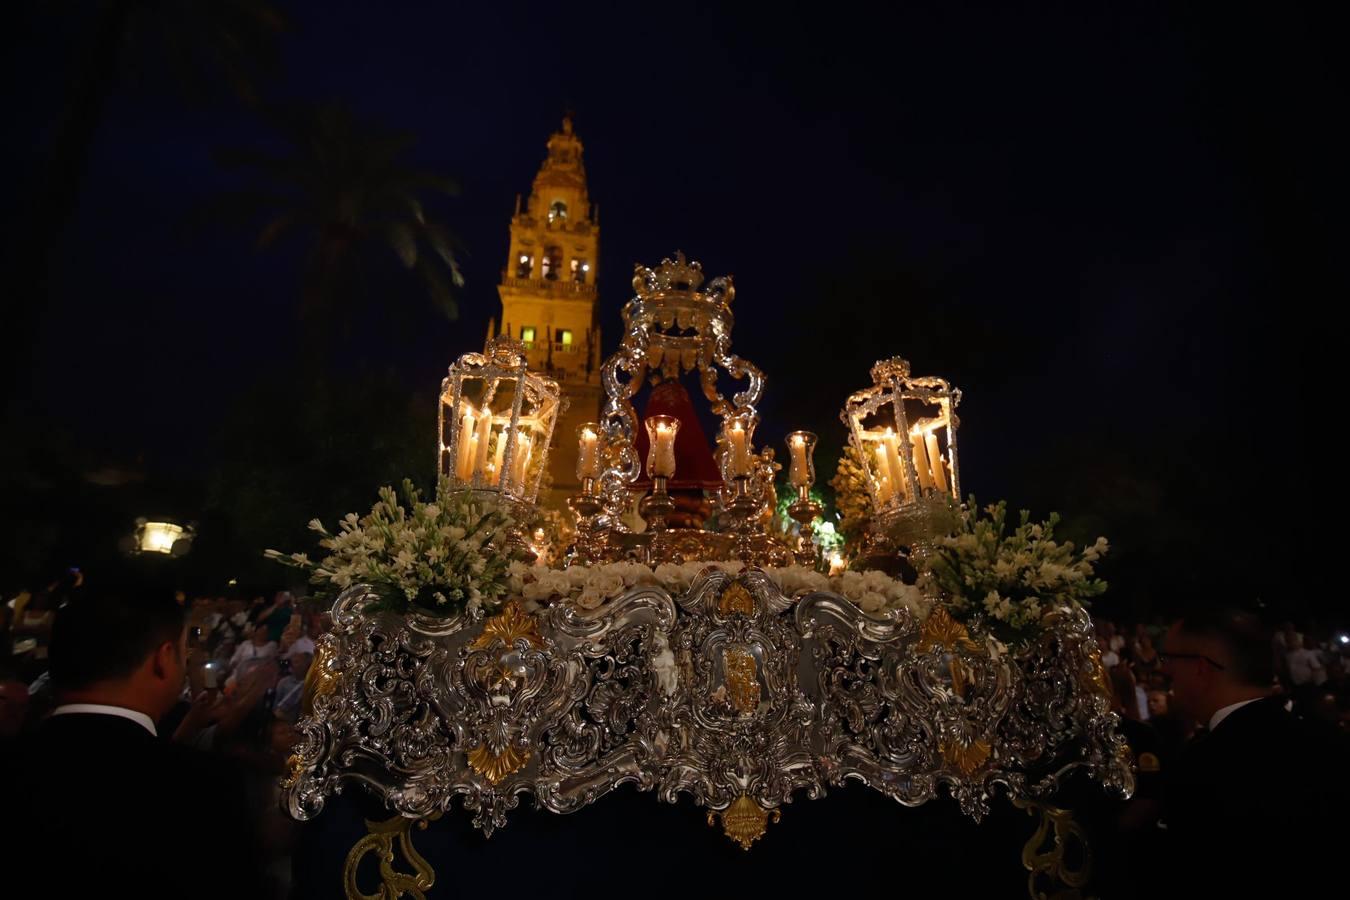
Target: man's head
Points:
(120, 651)
(259, 635)
(1215, 659)
(1157, 703)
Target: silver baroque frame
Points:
(729, 693)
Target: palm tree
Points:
(340, 184)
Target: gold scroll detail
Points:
(393, 883)
(745, 821)
(509, 626)
(320, 681)
(496, 766)
(1051, 874)
(941, 630)
(966, 757)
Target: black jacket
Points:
(1257, 803)
(97, 806)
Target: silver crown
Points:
(680, 276)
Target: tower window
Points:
(527, 334)
(565, 337)
(579, 270)
(557, 211)
(524, 265)
(550, 264)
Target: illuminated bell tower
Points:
(549, 297)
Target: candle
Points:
(885, 488)
(740, 449)
(895, 470)
(521, 464)
(588, 451)
(799, 472)
(463, 457)
(496, 471)
(661, 431)
(921, 460)
(935, 460)
(483, 445)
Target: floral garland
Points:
(443, 557)
(589, 586)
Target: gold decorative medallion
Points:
(509, 626)
(966, 757)
(1050, 872)
(742, 684)
(393, 883)
(745, 821)
(736, 598)
(496, 766)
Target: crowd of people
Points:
(243, 668)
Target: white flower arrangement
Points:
(1009, 581)
(590, 586)
(440, 557)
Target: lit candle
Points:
(895, 470)
(799, 474)
(463, 454)
(496, 475)
(935, 460)
(521, 464)
(740, 450)
(588, 452)
(884, 485)
(921, 460)
(483, 445)
(661, 431)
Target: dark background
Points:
(1106, 223)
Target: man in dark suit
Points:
(98, 801)
(1258, 795)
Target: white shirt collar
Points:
(1228, 710)
(97, 709)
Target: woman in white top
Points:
(256, 650)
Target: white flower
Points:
(590, 597)
(431, 511)
(608, 584)
(872, 602)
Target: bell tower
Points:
(548, 293)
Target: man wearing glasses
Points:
(1253, 795)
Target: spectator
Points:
(1305, 664)
(258, 649)
(103, 798)
(1250, 799)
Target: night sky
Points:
(1104, 222)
